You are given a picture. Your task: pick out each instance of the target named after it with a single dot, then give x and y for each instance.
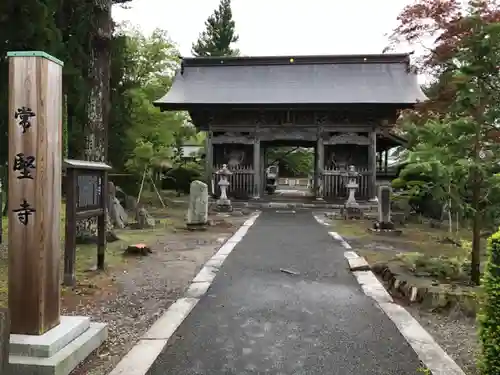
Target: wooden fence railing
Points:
(241, 182)
(334, 183)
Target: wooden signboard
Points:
(35, 149)
(86, 197)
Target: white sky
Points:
(276, 27)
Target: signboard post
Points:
(35, 149)
(41, 341)
(86, 197)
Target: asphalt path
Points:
(285, 303)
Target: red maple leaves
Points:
(439, 25)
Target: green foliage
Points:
(219, 34)
(130, 183)
(185, 133)
(424, 371)
(141, 71)
(458, 149)
(292, 161)
(489, 318)
(143, 136)
(426, 186)
(24, 25)
(180, 178)
(442, 267)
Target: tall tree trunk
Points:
(476, 221)
(95, 133)
(4, 181)
(476, 234)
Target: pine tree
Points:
(219, 34)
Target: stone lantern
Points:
(351, 177)
(224, 203)
(351, 206)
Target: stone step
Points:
(48, 344)
(299, 205)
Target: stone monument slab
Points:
(197, 215)
(384, 222)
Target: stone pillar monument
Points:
(197, 215)
(40, 338)
(384, 209)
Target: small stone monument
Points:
(351, 206)
(144, 219)
(384, 222)
(224, 203)
(197, 215)
(117, 214)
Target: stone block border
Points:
(142, 356)
(435, 297)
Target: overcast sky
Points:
(276, 27)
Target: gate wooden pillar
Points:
(263, 166)
(257, 186)
(319, 165)
(209, 162)
(372, 164)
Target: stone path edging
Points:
(429, 352)
(440, 296)
(142, 356)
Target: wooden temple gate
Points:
(342, 106)
(244, 153)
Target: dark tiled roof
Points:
(305, 80)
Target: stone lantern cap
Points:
(224, 171)
(351, 175)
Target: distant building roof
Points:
(190, 150)
(288, 80)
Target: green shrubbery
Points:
(180, 178)
(128, 182)
(441, 267)
(415, 181)
(489, 316)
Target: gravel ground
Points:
(141, 292)
(456, 334)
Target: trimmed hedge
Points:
(489, 316)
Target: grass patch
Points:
(416, 237)
(421, 249)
